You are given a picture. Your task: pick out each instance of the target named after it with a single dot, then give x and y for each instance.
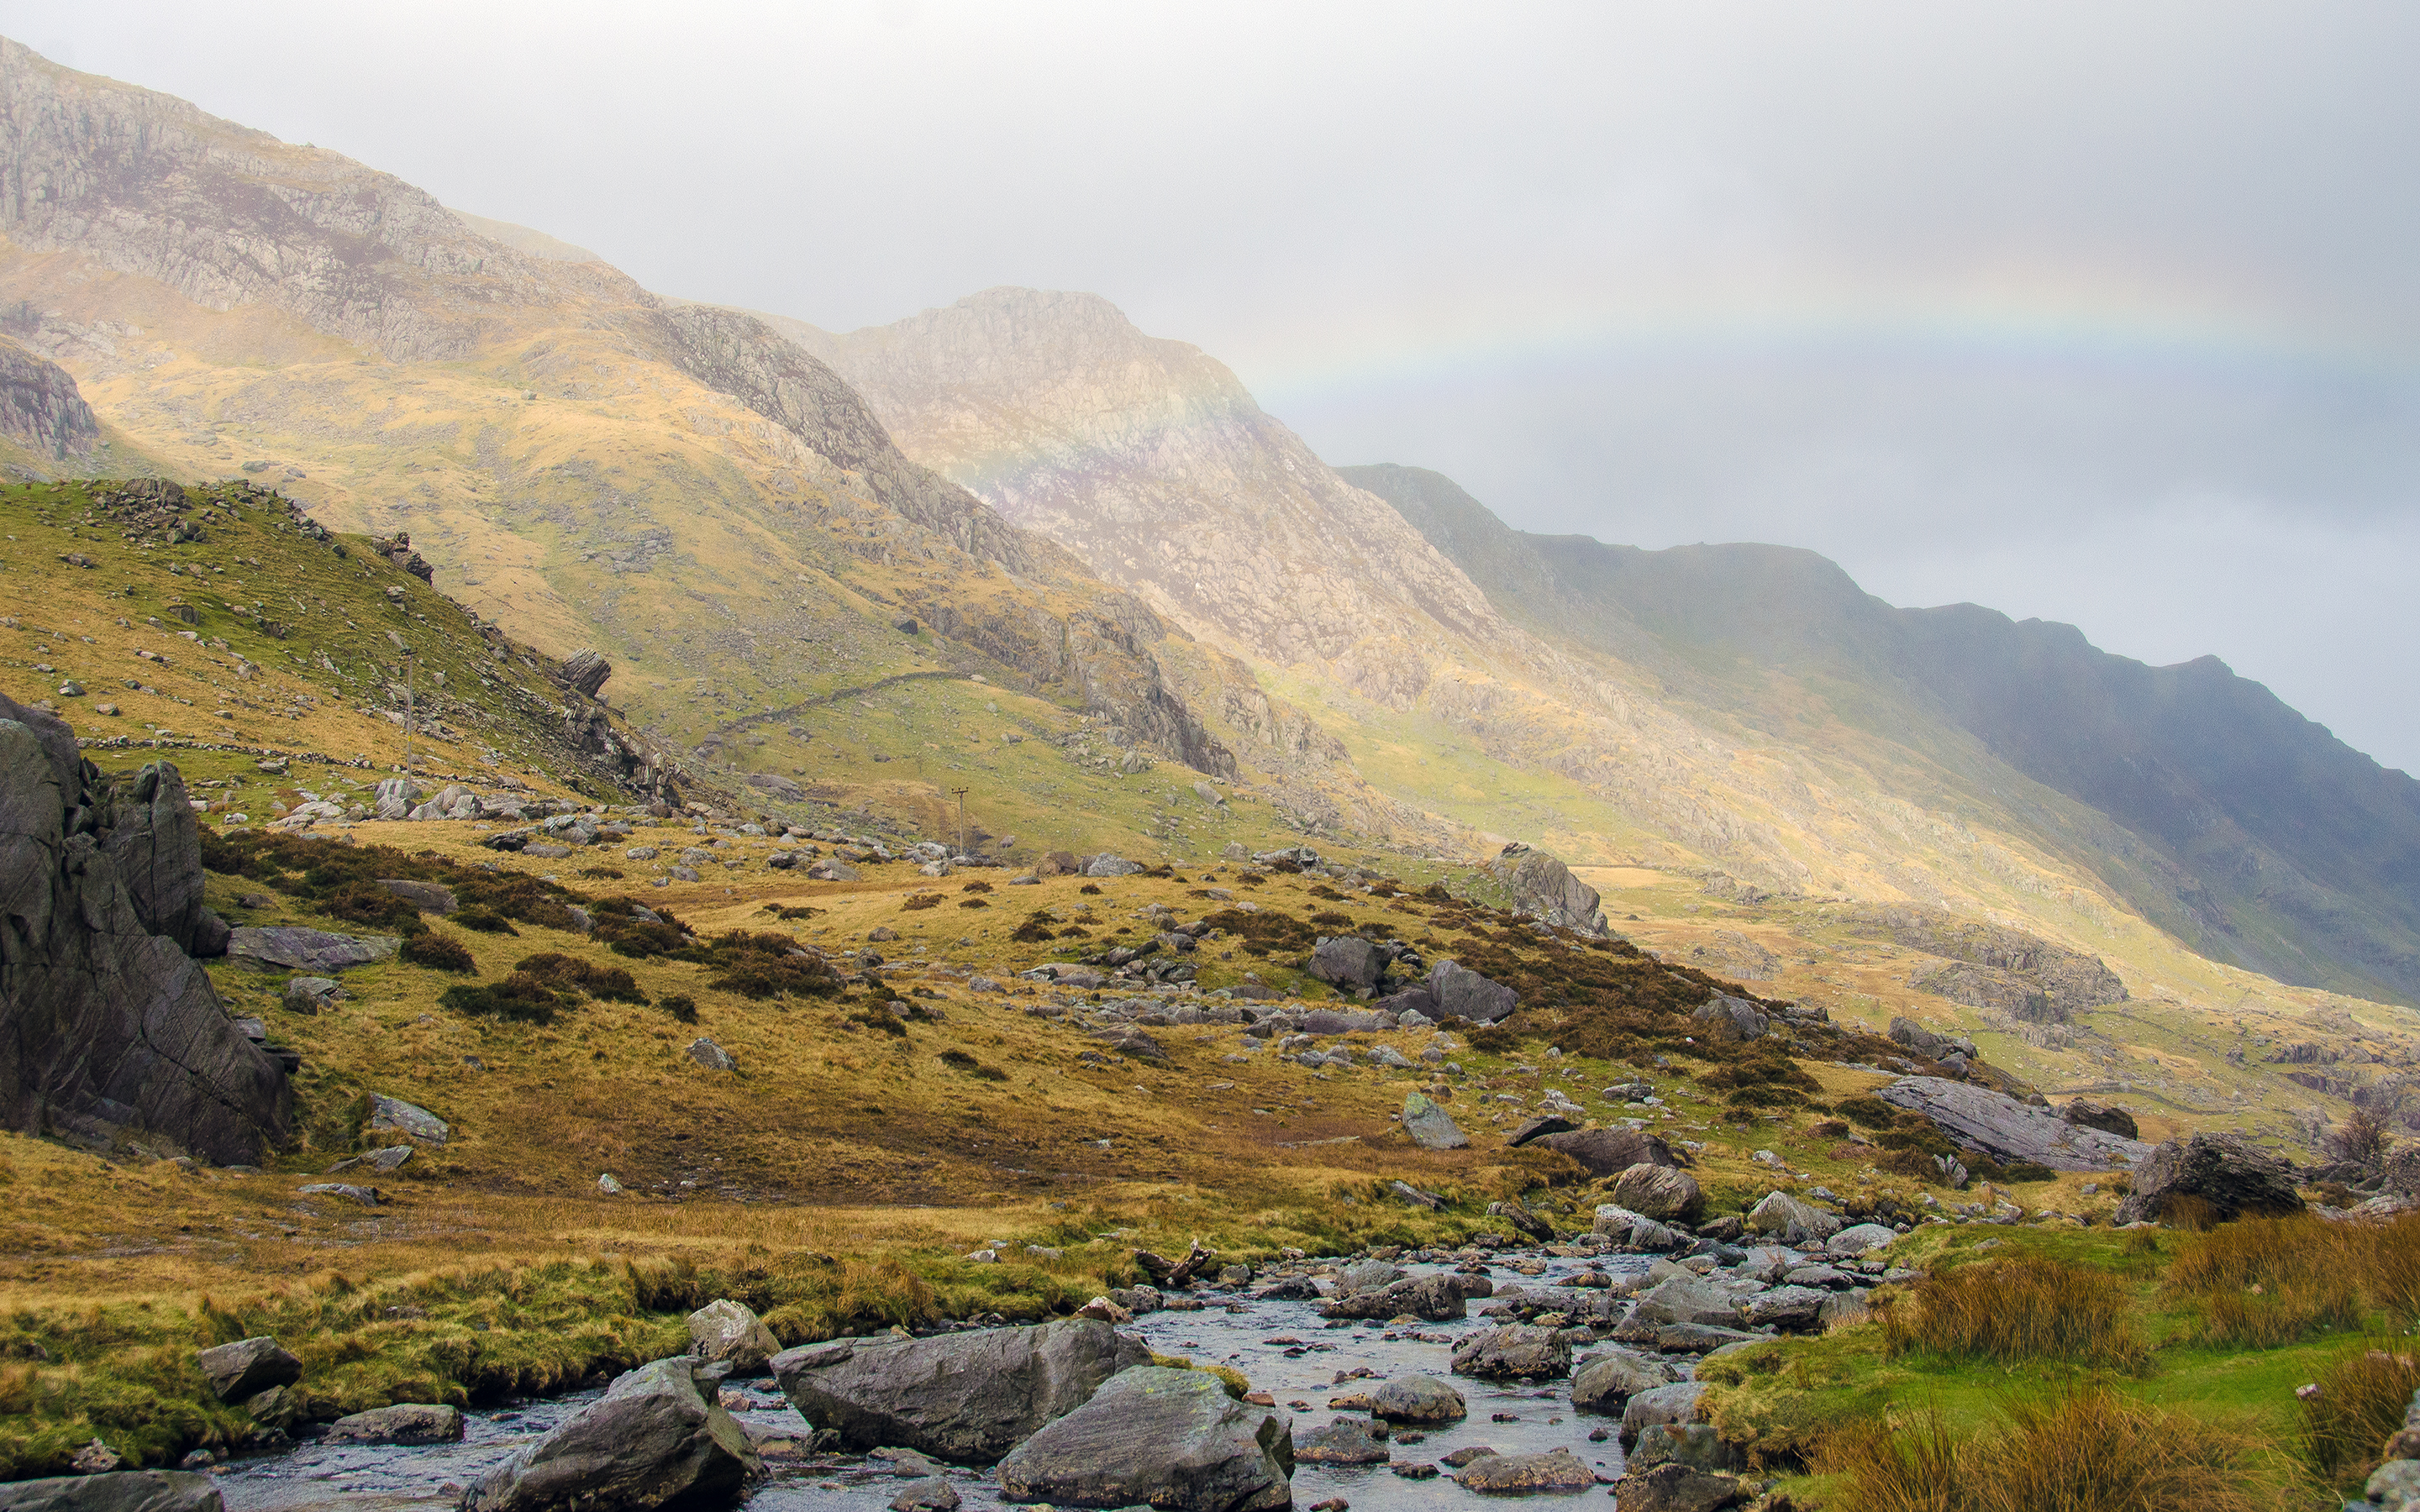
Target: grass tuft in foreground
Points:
(2010, 1312)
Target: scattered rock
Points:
(1430, 1126)
(1659, 1192)
(2226, 1171)
(127, 1490)
(292, 948)
(428, 896)
(1675, 1487)
(964, 1397)
(1517, 1351)
(1417, 1400)
(1347, 1440)
(1537, 1128)
(1347, 960)
(312, 994)
(1172, 1439)
(1792, 1219)
(2105, 1116)
(1558, 1470)
(711, 1056)
(1610, 1151)
(1433, 1298)
(248, 1366)
(1460, 992)
(727, 1331)
(96, 1459)
(2008, 1130)
(1731, 1018)
(1108, 865)
(1544, 888)
(655, 1439)
(408, 1423)
(392, 1114)
(1858, 1239)
(366, 1196)
(1605, 1382)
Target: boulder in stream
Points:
(1171, 1439)
(124, 1490)
(655, 1439)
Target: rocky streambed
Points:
(1515, 1333)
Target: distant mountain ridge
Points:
(2294, 855)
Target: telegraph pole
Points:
(960, 794)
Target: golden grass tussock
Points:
(2024, 1310)
(2358, 1402)
(2089, 1450)
(2262, 1281)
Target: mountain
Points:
(2288, 852)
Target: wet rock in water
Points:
(125, 1491)
(1515, 1352)
(1675, 1403)
(2224, 1175)
(655, 1439)
(1433, 1298)
(406, 1422)
(1676, 1487)
(1605, 1382)
(1466, 1455)
(1686, 1298)
(1661, 1193)
(1288, 1289)
(964, 1397)
(1789, 1309)
(728, 1330)
(1417, 1400)
(1368, 1276)
(2008, 1130)
(929, 1494)
(292, 948)
(247, 1367)
(1173, 1439)
(1558, 1470)
(1430, 1126)
(1792, 1219)
(1612, 1151)
(1693, 1444)
(1346, 1440)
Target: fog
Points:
(2100, 313)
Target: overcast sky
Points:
(2095, 311)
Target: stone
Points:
(1410, 1000)
(1787, 1309)
(279, 1406)
(1605, 1382)
(1859, 1239)
(711, 1056)
(1537, 1128)
(407, 1423)
(1677, 1488)
(1171, 1439)
(96, 1459)
(586, 672)
(1635, 1230)
(2392, 1487)
(1792, 1219)
(728, 1330)
(1430, 1126)
(1675, 1403)
(1346, 961)
(1517, 1351)
(1110, 865)
(292, 948)
(147, 827)
(1432, 1297)
(428, 896)
(1686, 1298)
(312, 994)
(108, 1029)
(1346, 1440)
(2105, 1116)
(1723, 1018)
(1661, 1193)
(1368, 1276)
(1928, 1043)
(608, 1186)
(1556, 1470)
(125, 1490)
(2007, 1130)
(929, 1494)
(1418, 1398)
(1328, 1020)
(1461, 993)
(248, 1366)
(654, 1439)
(393, 1115)
(1610, 1151)
(2229, 1173)
(1544, 888)
(365, 1197)
(968, 1398)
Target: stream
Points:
(1284, 1347)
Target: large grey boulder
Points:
(404, 1423)
(125, 1490)
(2234, 1177)
(108, 1031)
(247, 1367)
(393, 1115)
(1110, 865)
(1858, 1239)
(1676, 1403)
(1605, 1382)
(1169, 1439)
(1418, 1398)
(1788, 1309)
(1556, 1470)
(1345, 1440)
(1724, 1017)
(655, 1439)
(1368, 1276)
(1930, 1043)
(2007, 1130)
(1430, 1126)
(292, 948)
(148, 832)
(1433, 1298)
(1612, 1151)
(965, 1397)
(1791, 1220)
(1347, 960)
(1684, 1299)
(1673, 1487)
(1517, 1351)
(728, 1330)
(1659, 1192)
(1460, 992)
(1544, 888)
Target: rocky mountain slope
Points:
(2270, 843)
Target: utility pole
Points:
(960, 794)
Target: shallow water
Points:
(1301, 1377)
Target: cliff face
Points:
(42, 408)
(108, 1030)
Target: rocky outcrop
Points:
(1544, 888)
(1985, 966)
(2223, 1175)
(2106, 1116)
(125, 1490)
(150, 837)
(2007, 1130)
(585, 672)
(965, 1397)
(1162, 1438)
(657, 1439)
(109, 1032)
(40, 407)
(1612, 1151)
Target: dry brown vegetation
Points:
(2360, 1401)
(2017, 1311)
(2270, 1281)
